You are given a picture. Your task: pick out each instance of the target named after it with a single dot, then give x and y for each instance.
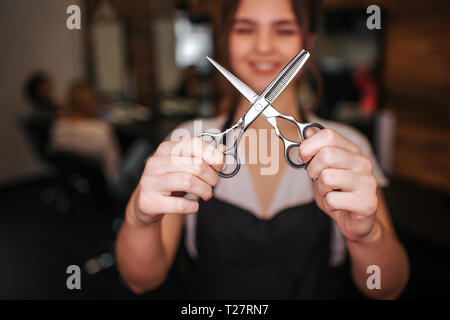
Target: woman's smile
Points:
(264, 68)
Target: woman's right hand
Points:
(188, 165)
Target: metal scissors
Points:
(263, 104)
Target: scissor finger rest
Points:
(289, 145)
(216, 137)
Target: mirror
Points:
(108, 52)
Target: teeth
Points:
(264, 66)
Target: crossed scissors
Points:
(263, 104)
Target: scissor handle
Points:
(288, 144)
(308, 126)
(231, 152)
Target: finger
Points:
(324, 138)
(345, 180)
(322, 188)
(197, 148)
(160, 165)
(192, 147)
(179, 181)
(168, 204)
(219, 167)
(361, 202)
(334, 157)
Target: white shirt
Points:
(90, 137)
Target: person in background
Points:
(39, 93)
(81, 131)
(36, 123)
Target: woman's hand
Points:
(344, 186)
(188, 165)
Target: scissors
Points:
(263, 104)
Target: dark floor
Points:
(38, 243)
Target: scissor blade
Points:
(248, 93)
(288, 73)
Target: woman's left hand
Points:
(344, 186)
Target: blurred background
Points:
(81, 110)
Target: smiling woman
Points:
(263, 236)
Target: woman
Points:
(264, 235)
(81, 131)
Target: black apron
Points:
(241, 256)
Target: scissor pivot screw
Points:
(258, 107)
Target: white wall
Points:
(33, 35)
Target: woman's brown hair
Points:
(82, 100)
(307, 13)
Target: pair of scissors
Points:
(263, 104)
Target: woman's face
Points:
(265, 36)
